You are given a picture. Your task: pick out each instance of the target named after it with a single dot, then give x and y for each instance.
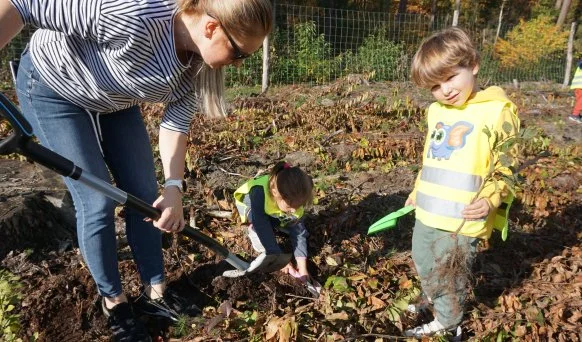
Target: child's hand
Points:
(300, 272)
(409, 201)
(477, 210)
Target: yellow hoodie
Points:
(457, 158)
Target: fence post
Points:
(456, 12)
(265, 83)
(266, 55)
(569, 55)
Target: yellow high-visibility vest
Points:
(271, 207)
(577, 80)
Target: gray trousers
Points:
(429, 248)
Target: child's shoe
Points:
(434, 328)
(421, 306)
(575, 118)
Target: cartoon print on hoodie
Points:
(444, 139)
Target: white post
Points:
(266, 48)
(569, 55)
(456, 12)
(266, 55)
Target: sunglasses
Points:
(238, 54)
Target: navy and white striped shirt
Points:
(108, 55)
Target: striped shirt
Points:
(109, 55)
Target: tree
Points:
(563, 12)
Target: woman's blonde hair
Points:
(244, 18)
(440, 53)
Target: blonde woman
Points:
(79, 83)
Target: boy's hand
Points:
(477, 210)
(409, 201)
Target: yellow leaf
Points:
(358, 276)
(337, 316)
(376, 302)
(272, 327)
(286, 330)
(330, 261)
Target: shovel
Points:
(389, 221)
(21, 142)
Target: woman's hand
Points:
(170, 203)
(477, 210)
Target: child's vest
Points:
(577, 80)
(451, 177)
(271, 207)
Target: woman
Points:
(79, 83)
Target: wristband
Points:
(180, 183)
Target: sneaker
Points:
(575, 118)
(421, 306)
(170, 306)
(124, 325)
(434, 328)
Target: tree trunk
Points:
(456, 13)
(433, 8)
(563, 12)
(499, 23)
(558, 4)
(569, 56)
(402, 5)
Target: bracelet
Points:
(180, 183)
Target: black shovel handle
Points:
(21, 142)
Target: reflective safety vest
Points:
(456, 160)
(271, 207)
(577, 80)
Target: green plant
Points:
(308, 60)
(379, 57)
(10, 296)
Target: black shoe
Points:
(125, 326)
(170, 306)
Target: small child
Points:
(456, 160)
(276, 201)
(576, 115)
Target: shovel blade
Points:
(389, 221)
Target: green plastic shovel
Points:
(389, 221)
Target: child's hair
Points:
(440, 53)
(294, 185)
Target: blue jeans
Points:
(126, 156)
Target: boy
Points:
(456, 159)
(577, 86)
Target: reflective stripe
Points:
(451, 179)
(440, 206)
(577, 80)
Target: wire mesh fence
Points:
(318, 45)
(314, 45)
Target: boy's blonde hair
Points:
(440, 53)
(244, 18)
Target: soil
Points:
(60, 302)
